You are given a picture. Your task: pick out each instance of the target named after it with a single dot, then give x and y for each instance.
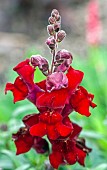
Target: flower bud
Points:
(41, 62)
(51, 20)
(57, 26)
(63, 60)
(55, 81)
(63, 54)
(58, 18)
(61, 35)
(54, 12)
(50, 29)
(51, 42)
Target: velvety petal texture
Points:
(19, 89)
(26, 71)
(74, 78)
(50, 124)
(68, 150)
(81, 100)
(24, 141)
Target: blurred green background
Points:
(23, 33)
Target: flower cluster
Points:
(56, 98)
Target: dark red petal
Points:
(9, 86)
(93, 105)
(40, 145)
(19, 89)
(56, 117)
(66, 121)
(81, 100)
(22, 64)
(76, 131)
(38, 130)
(25, 71)
(21, 86)
(70, 158)
(45, 117)
(74, 78)
(63, 130)
(52, 132)
(83, 108)
(42, 85)
(54, 100)
(66, 110)
(30, 120)
(56, 159)
(23, 142)
(80, 156)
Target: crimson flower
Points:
(81, 100)
(19, 89)
(57, 99)
(25, 71)
(24, 141)
(50, 123)
(69, 150)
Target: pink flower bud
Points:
(41, 62)
(50, 29)
(57, 26)
(61, 35)
(63, 54)
(51, 20)
(63, 60)
(55, 81)
(51, 42)
(54, 12)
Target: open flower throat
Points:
(56, 98)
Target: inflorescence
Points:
(56, 98)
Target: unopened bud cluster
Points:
(54, 30)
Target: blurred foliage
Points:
(94, 128)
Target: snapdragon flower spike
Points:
(69, 150)
(50, 124)
(24, 141)
(57, 96)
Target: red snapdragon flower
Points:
(19, 89)
(57, 99)
(25, 71)
(81, 100)
(24, 141)
(69, 150)
(50, 123)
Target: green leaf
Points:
(101, 167)
(24, 109)
(23, 167)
